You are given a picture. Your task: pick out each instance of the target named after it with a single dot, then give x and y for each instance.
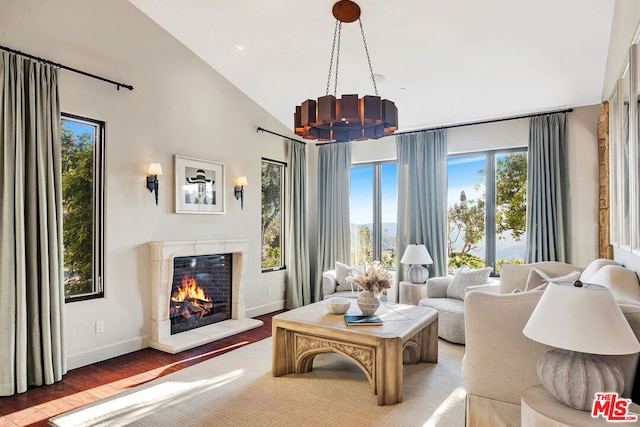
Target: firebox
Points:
(200, 292)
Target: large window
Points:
(487, 209)
(272, 215)
(373, 203)
(83, 206)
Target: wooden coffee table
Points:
(409, 334)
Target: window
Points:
(373, 204)
(82, 206)
(487, 201)
(272, 215)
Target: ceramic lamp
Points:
(583, 322)
(416, 255)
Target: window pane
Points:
(81, 205)
(466, 202)
(511, 207)
(361, 213)
(272, 214)
(389, 214)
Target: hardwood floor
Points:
(94, 382)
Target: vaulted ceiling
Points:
(441, 62)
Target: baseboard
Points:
(107, 352)
(265, 309)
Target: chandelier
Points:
(348, 118)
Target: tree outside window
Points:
(82, 206)
(272, 215)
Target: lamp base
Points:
(417, 274)
(574, 378)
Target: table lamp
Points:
(582, 322)
(416, 255)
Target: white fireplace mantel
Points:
(162, 255)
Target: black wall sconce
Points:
(155, 169)
(241, 181)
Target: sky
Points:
(79, 128)
(462, 174)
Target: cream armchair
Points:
(500, 362)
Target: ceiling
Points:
(443, 62)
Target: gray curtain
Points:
(31, 291)
(298, 275)
(334, 235)
(422, 196)
(547, 189)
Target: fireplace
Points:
(200, 292)
(193, 262)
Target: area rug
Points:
(237, 389)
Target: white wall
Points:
(179, 106)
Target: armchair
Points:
(330, 287)
(500, 362)
(451, 308)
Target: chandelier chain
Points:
(366, 49)
(335, 85)
(333, 49)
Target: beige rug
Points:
(237, 389)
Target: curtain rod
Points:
(277, 134)
(55, 64)
(483, 122)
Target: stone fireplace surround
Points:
(162, 255)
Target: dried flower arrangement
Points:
(371, 276)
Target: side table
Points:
(539, 408)
(412, 293)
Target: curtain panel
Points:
(32, 289)
(298, 275)
(334, 234)
(547, 189)
(422, 196)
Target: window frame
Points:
(99, 189)
(283, 213)
(376, 228)
(490, 198)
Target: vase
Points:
(368, 303)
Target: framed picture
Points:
(199, 186)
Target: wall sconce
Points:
(155, 169)
(241, 181)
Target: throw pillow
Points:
(593, 268)
(342, 271)
(464, 278)
(538, 279)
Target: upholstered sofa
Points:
(451, 306)
(331, 288)
(500, 362)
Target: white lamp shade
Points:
(241, 181)
(584, 319)
(416, 254)
(155, 169)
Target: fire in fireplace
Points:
(201, 291)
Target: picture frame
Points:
(199, 186)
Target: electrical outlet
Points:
(269, 290)
(99, 326)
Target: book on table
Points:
(372, 320)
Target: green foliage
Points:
(456, 259)
(77, 202)
(272, 259)
(271, 214)
(511, 194)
